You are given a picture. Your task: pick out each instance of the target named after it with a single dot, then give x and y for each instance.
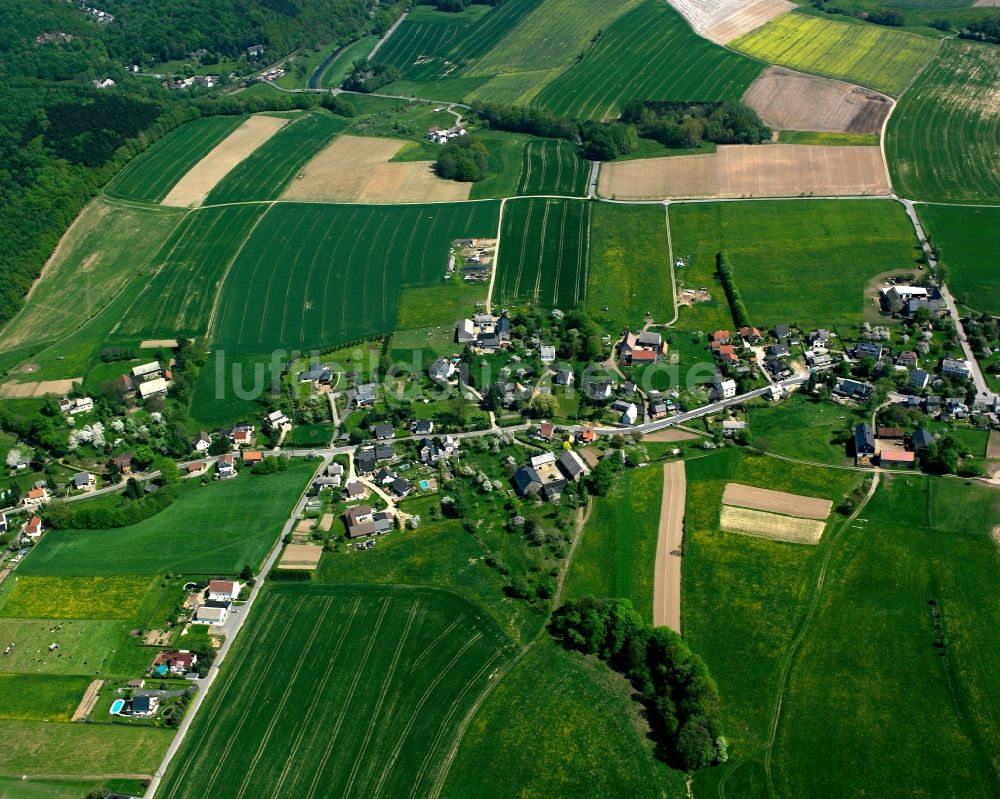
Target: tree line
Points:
(986, 29)
(685, 125)
(725, 269)
(681, 699)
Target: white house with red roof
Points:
(223, 590)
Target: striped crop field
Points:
(315, 275)
(338, 691)
(956, 101)
(636, 59)
(153, 173)
(179, 297)
(544, 253)
(264, 174)
(871, 55)
(552, 166)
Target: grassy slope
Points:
(618, 550)
(968, 239)
(151, 176)
(214, 529)
(779, 429)
(543, 258)
(559, 724)
(636, 59)
(943, 141)
(871, 55)
(104, 250)
(340, 279)
(629, 270)
(805, 262)
(365, 695)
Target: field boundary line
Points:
(800, 635)
(496, 258)
(670, 266)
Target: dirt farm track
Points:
(667, 579)
(747, 170)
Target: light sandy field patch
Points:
(326, 523)
(748, 18)
(993, 445)
(46, 388)
(776, 501)
(90, 697)
(986, 4)
(156, 343)
(669, 435)
(770, 525)
(358, 169)
(301, 556)
(747, 170)
(790, 101)
(667, 580)
(191, 190)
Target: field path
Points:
(88, 701)
(667, 582)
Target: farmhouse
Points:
(147, 371)
(75, 406)
(152, 388)
(222, 590)
(226, 466)
(32, 528)
(645, 347)
(896, 458)
(572, 465)
(547, 475)
(362, 521)
(921, 439)
(864, 445)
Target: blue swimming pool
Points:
(424, 485)
(116, 707)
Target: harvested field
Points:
(301, 556)
(745, 170)
(191, 190)
(46, 388)
(667, 584)
(156, 343)
(358, 169)
(790, 101)
(88, 701)
(669, 435)
(776, 501)
(748, 18)
(770, 525)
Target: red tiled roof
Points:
(253, 456)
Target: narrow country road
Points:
(667, 579)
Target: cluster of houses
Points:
(219, 597)
(891, 447)
(147, 380)
(208, 81)
(443, 136)
(547, 475)
(640, 348)
(485, 332)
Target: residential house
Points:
(657, 409)
(907, 359)
(225, 467)
(256, 50)
(751, 335)
(782, 331)
(202, 442)
(777, 368)
(77, 405)
(725, 389)
(564, 377)
(918, 379)
(84, 481)
(543, 476)
(956, 407)
(319, 376)
(211, 614)
(35, 497)
(364, 395)
(819, 338)
(243, 436)
(33, 528)
(401, 487)
(868, 349)
(384, 452)
(628, 410)
(725, 353)
(644, 347)
(732, 426)
(223, 590)
(365, 461)
(599, 389)
(442, 370)
(433, 450)
(178, 663)
(547, 353)
(778, 351)
(546, 430)
(864, 445)
(385, 476)
(588, 436)
(527, 482)
(932, 406)
(355, 489)
(956, 369)
(422, 427)
(383, 431)
(774, 393)
(276, 420)
(721, 337)
(144, 706)
(853, 389)
(818, 360)
(921, 439)
(362, 521)
(123, 463)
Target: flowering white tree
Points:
(117, 425)
(13, 456)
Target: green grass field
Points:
(309, 435)
(544, 253)
(365, 695)
(84, 645)
(629, 272)
(213, 529)
(826, 138)
(803, 262)
(44, 596)
(618, 550)
(552, 166)
(152, 175)
(780, 429)
(636, 59)
(264, 174)
(872, 55)
(342, 277)
(560, 724)
(335, 72)
(79, 750)
(228, 387)
(968, 240)
(943, 141)
(178, 299)
(108, 246)
(33, 697)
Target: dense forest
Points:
(464, 159)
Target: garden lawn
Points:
(617, 554)
(544, 253)
(334, 273)
(872, 55)
(943, 141)
(968, 240)
(635, 58)
(796, 261)
(309, 435)
(152, 175)
(213, 530)
(629, 272)
(560, 724)
(43, 698)
(366, 693)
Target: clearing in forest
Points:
(192, 189)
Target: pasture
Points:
(34, 596)
(749, 170)
(342, 277)
(151, 175)
(617, 554)
(629, 271)
(872, 55)
(635, 59)
(560, 724)
(214, 529)
(778, 429)
(186, 278)
(843, 242)
(365, 695)
(968, 240)
(264, 174)
(552, 166)
(107, 246)
(544, 253)
(48, 698)
(956, 100)
(85, 646)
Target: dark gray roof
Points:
(921, 439)
(383, 430)
(526, 480)
(864, 439)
